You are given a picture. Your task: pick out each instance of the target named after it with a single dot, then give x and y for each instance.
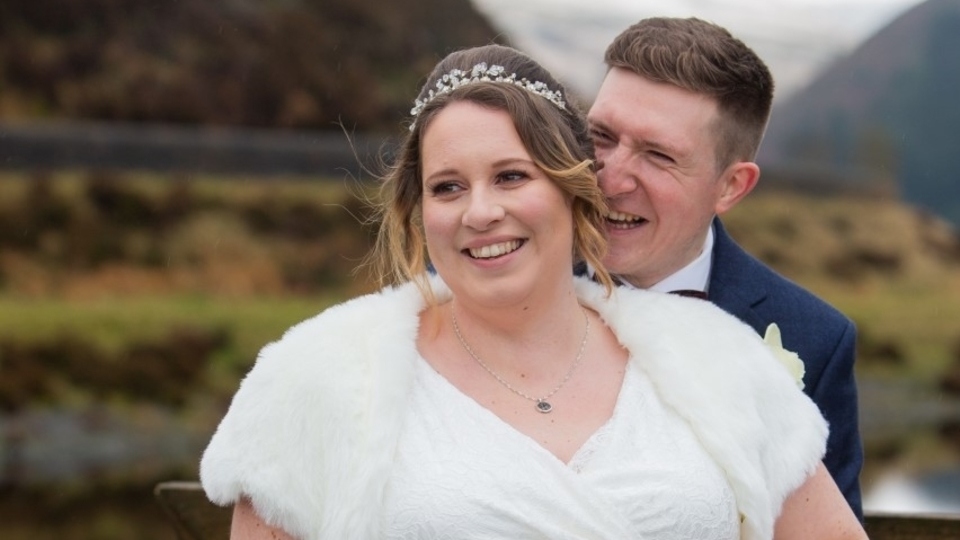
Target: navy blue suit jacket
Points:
(823, 337)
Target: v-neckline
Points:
(580, 455)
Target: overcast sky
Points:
(797, 38)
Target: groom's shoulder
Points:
(735, 267)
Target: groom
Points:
(677, 124)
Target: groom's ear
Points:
(737, 181)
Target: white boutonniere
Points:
(789, 359)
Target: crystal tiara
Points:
(480, 73)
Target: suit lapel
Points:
(734, 286)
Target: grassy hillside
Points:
(130, 307)
(115, 263)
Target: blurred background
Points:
(182, 181)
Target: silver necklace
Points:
(542, 405)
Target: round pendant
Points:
(543, 406)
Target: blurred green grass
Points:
(111, 323)
(925, 320)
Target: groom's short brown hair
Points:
(706, 59)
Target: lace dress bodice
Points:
(462, 472)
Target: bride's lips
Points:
(492, 251)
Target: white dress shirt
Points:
(694, 276)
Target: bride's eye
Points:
(444, 188)
(512, 176)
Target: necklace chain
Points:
(542, 404)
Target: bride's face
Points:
(497, 227)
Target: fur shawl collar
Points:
(311, 433)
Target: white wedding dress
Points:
(461, 472)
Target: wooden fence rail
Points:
(196, 518)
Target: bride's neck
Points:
(531, 329)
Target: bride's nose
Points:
(483, 210)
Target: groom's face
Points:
(655, 144)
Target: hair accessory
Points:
(542, 405)
(481, 73)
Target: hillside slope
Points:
(273, 63)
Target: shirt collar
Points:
(694, 276)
